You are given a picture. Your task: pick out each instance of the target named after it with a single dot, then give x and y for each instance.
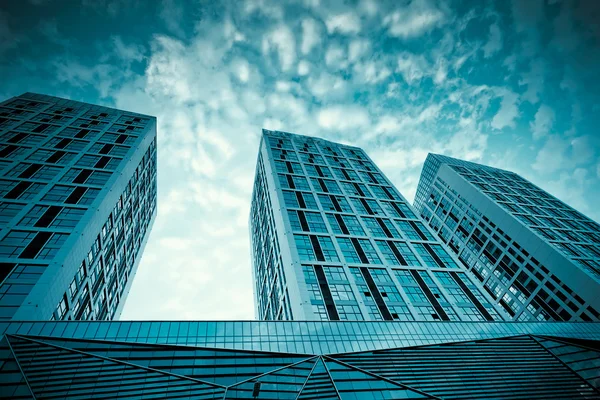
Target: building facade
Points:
(77, 201)
(332, 239)
(299, 360)
(538, 258)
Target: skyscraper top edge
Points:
(46, 97)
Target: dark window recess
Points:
(472, 297)
(300, 199)
(437, 260)
(359, 251)
(82, 133)
(106, 148)
(82, 308)
(102, 162)
(317, 248)
(17, 138)
(83, 176)
(384, 227)
(303, 222)
(387, 193)
(121, 139)
(56, 156)
(76, 195)
(432, 299)
(319, 170)
(506, 308)
(398, 210)
(385, 313)
(18, 190)
(416, 228)
(5, 270)
(40, 128)
(358, 189)
(63, 143)
(345, 173)
(5, 152)
(335, 203)
(366, 205)
(47, 218)
(289, 167)
(322, 184)
(342, 225)
(394, 249)
(290, 182)
(327, 298)
(30, 171)
(34, 247)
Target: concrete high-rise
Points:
(77, 201)
(332, 239)
(537, 257)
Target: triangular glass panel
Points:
(580, 355)
(353, 384)
(54, 372)
(219, 366)
(284, 383)
(319, 384)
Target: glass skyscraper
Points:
(77, 201)
(538, 258)
(332, 239)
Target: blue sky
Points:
(513, 84)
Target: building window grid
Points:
(506, 283)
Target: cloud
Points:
(335, 57)
(343, 117)
(128, 52)
(412, 67)
(534, 81)
(357, 49)
(494, 43)
(371, 72)
(544, 118)
(508, 112)
(281, 39)
(303, 68)
(347, 23)
(311, 35)
(414, 20)
(560, 153)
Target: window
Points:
(348, 250)
(373, 228)
(369, 251)
(415, 294)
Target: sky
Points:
(512, 84)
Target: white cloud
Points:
(357, 49)
(494, 43)
(508, 112)
(412, 67)
(347, 23)
(335, 57)
(343, 117)
(541, 125)
(370, 72)
(325, 84)
(128, 52)
(413, 20)
(534, 81)
(282, 40)
(311, 35)
(303, 68)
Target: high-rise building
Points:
(332, 239)
(77, 200)
(336, 360)
(537, 257)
